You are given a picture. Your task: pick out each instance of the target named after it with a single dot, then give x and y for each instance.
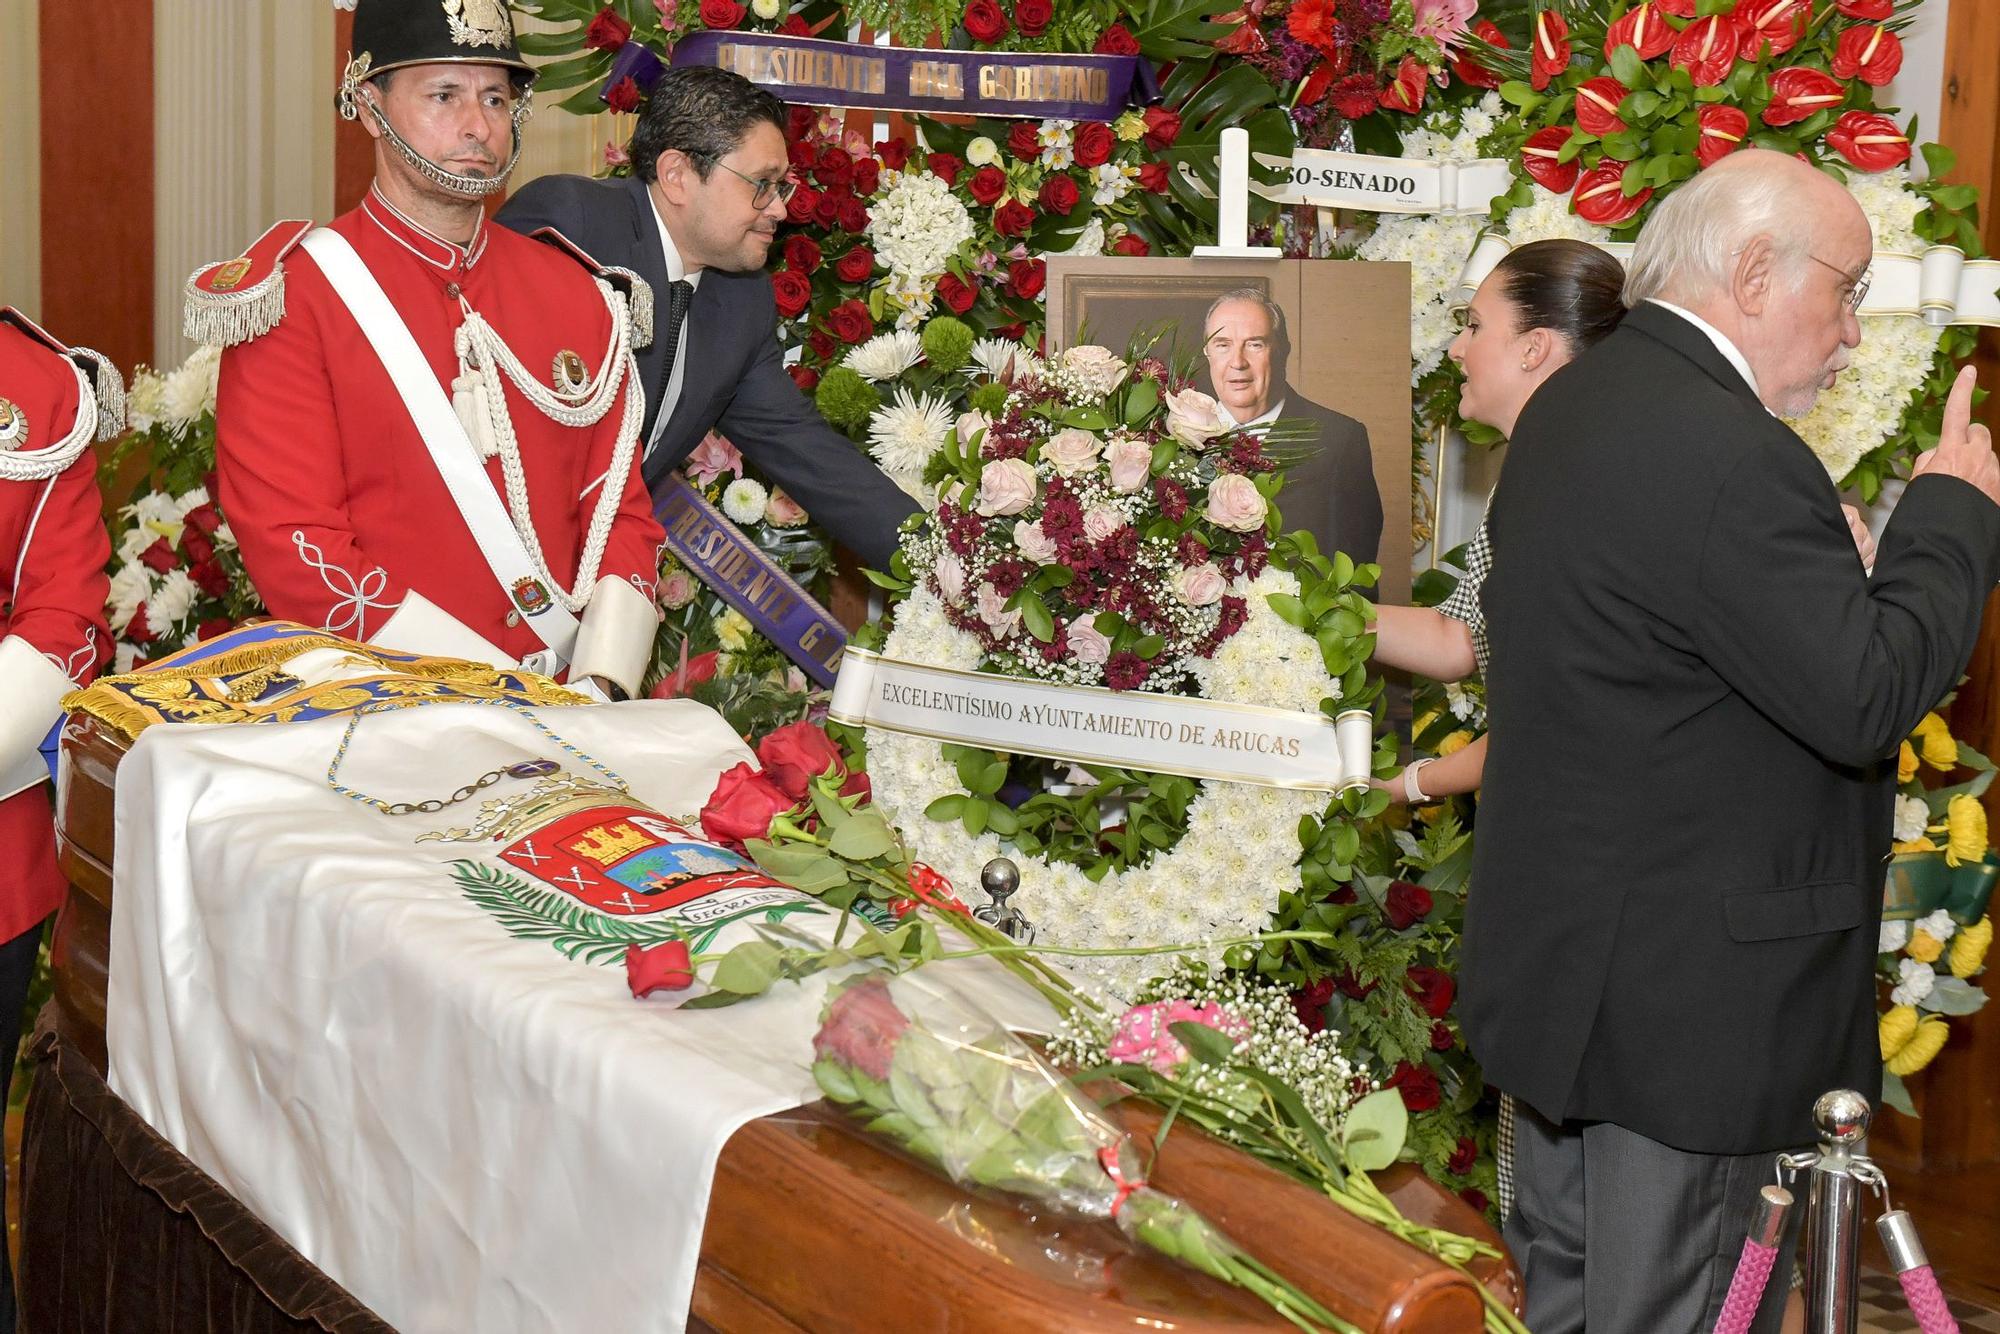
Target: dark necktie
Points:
(679, 295)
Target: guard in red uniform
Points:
(426, 426)
(53, 402)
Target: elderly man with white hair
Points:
(1669, 945)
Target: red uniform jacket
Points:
(53, 550)
(329, 488)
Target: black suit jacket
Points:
(1330, 492)
(735, 376)
(1696, 695)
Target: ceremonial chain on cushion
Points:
(484, 356)
(523, 769)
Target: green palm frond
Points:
(578, 931)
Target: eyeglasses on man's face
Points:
(1857, 287)
(781, 189)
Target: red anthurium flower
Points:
(1550, 53)
(1798, 92)
(1680, 9)
(1470, 71)
(1407, 92)
(1600, 196)
(1872, 55)
(1869, 11)
(1318, 82)
(1723, 130)
(1597, 106)
(1706, 49)
(661, 967)
(1870, 141)
(1247, 40)
(1771, 26)
(1538, 159)
(1643, 30)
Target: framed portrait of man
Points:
(1322, 346)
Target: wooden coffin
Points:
(815, 1226)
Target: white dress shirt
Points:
(676, 272)
(1717, 337)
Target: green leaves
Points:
(1372, 1133)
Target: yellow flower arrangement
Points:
(1924, 947)
(1457, 741)
(1968, 950)
(1921, 1049)
(1934, 740)
(1906, 763)
(732, 631)
(1965, 830)
(1895, 1029)
(1914, 845)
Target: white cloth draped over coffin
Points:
(465, 1128)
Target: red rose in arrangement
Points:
(1798, 92)
(826, 210)
(204, 518)
(1418, 1086)
(1463, 1156)
(662, 967)
(624, 95)
(1024, 141)
(804, 200)
(853, 215)
(1162, 128)
(822, 344)
(984, 22)
(1354, 96)
(850, 322)
(987, 185)
(1872, 55)
(834, 167)
(801, 252)
(1027, 277)
(792, 291)
(1092, 144)
(743, 806)
(205, 631)
(1869, 11)
(1013, 218)
(720, 14)
(799, 121)
(1771, 27)
(1131, 243)
(210, 579)
(1870, 141)
(944, 166)
(1441, 1038)
(1469, 70)
(1706, 49)
(1406, 93)
(1406, 904)
(1032, 17)
(1643, 30)
(1476, 1198)
(894, 153)
(855, 266)
(1431, 988)
(1597, 106)
(607, 32)
(795, 26)
(1538, 159)
(804, 376)
(1723, 130)
(867, 176)
(197, 545)
(795, 754)
(1549, 50)
(957, 293)
(1153, 177)
(159, 557)
(1058, 194)
(1600, 196)
(1116, 40)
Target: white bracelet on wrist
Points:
(1412, 793)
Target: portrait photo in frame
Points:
(1321, 345)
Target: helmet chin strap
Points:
(473, 187)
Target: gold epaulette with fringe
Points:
(638, 292)
(238, 299)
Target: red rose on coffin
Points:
(1870, 141)
(804, 200)
(720, 14)
(1418, 1086)
(1406, 904)
(1798, 92)
(867, 176)
(684, 678)
(1058, 194)
(1131, 244)
(1538, 159)
(855, 266)
(1092, 144)
(1549, 48)
(624, 95)
(957, 293)
(795, 754)
(801, 253)
(984, 22)
(743, 806)
(987, 185)
(1872, 55)
(661, 967)
(1871, 11)
(1354, 96)
(804, 376)
(1027, 277)
(1153, 177)
(894, 153)
(1706, 49)
(944, 166)
(1643, 30)
(1600, 196)
(1470, 71)
(792, 290)
(607, 32)
(1013, 218)
(1723, 130)
(1431, 988)
(1024, 141)
(1032, 16)
(850, 322)
(1407, 92)
(1771, 27)
(1597, 106)
(861, 1028)
(1162, 127)
(1116, 40)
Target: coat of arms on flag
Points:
(584, 867)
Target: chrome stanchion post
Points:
(1832, 1234)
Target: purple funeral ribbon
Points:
(634, 61)
(821, 73)
(744, 575)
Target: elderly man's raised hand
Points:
(1964, 448)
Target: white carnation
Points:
(1912, 817)
(886, 355)
(1938, 925)
(743, 500)
(1895, 934)
(918, 225)
(1918, 979)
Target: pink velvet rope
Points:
(1926, 1299)
(1746, 1288)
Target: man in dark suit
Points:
(1697, 694)
(696, 220)
(1330, 488)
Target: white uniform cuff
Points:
(421, 626)
(33, 688)
(616, 638)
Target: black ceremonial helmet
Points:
(390, 34)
